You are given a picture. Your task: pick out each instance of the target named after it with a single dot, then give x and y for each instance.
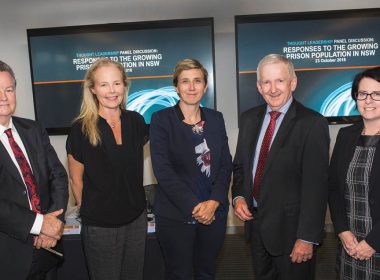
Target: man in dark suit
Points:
(281, 194)
(33, 191)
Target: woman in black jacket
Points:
(355, 183)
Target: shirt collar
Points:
(181, 116)
(4, 128)
(284, 108)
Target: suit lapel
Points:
(254, 124)
(351, 141)
(8, 164)
(375, 174)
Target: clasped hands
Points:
(358, 250)
(204, 212)
(51, 230)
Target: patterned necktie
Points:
(26, 171)
(264, 153)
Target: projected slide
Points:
(149, 52)
(327, 49)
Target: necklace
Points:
(198, 127)
(113, 124)
(377, 133)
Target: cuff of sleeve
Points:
(233, 201)
(36, 228)
(310, 242)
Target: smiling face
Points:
(369, 108)
(191, 86)
(7, 97)
(109, 87)
(276, 84)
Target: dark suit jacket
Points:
(16, 218)
(293, 191)
(347, 140)
(174, 163)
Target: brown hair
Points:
(6, 68)
(188, 64)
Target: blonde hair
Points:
(88, 114)
(276, 58)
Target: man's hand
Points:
(241, 209)
(349, 242)
(204, 212)
(52, 226)
(43, 241)
(302, 251)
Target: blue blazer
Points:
(175, 166)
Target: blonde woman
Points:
(105, 156)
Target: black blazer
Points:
(16, 218)
(174, 162)
(293, 191)
(347, 140)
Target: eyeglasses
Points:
(362, 95)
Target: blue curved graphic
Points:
(339, 102)
(150, 100)
(142, 101)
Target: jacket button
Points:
(24, 192)
(371, 201)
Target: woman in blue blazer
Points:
(192, 164)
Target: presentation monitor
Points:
(327, 48)
(149, 51)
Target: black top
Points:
(369, 140)
(113, 193)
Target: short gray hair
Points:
(276, 58)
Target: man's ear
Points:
(293, 84)
(258, 85)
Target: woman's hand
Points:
(364, 251)
(349, 242)
(204, 212)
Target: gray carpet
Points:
(235, 260)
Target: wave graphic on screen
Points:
(339, 102)
(145, 100)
